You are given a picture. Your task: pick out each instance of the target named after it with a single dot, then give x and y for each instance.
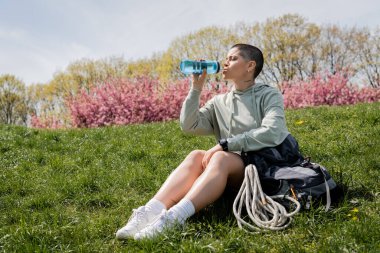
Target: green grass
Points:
(70, 190)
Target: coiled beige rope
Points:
(263, 211)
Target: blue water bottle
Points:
(196, 67)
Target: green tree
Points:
(369, 56)
(144, 67)
(86, 73)
(13, 104)
(81, 74)
(339, 48)
(287, 44)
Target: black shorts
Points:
(285, 154)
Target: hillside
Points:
(70, 190)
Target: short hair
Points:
(251, 53)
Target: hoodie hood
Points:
(256, 87)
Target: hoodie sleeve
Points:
(195, 120)
(272, 130)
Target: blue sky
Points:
(41, 37)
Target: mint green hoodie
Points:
(250, 120)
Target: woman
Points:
(246, 121)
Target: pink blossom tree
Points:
(121, 102)
(328, 89)
(133, 101)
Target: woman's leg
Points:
(203, 189)
(172, 191)
(181, 179)
(223, 168)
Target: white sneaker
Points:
(139, 219)
(165, 220)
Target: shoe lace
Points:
(136, 216)
(164, 219)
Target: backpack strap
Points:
(307, 163)
(328, 197)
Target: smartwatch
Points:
(224, 144)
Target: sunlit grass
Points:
(70, 190)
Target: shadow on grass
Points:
(350, 191)
(351, 194)
(219, 211)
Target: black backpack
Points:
(283, 170)
(308, 183)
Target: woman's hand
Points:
(209, 154)
(199, 80)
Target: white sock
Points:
(155, 206)
(183, 210)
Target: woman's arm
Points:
(195, 120)
(192, 119)
(272, 131)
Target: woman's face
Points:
(235, 67)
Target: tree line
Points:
(293, 47)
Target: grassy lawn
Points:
(70, 190)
